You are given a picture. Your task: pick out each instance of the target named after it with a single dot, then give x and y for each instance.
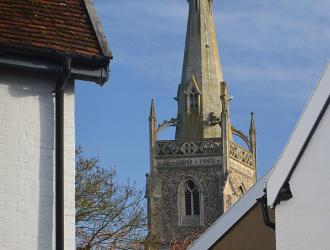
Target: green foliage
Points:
(108, 215)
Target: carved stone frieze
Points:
(240, 154)
(188, 148)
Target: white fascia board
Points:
(228, 219)
(298, 137)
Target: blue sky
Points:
(272, 54)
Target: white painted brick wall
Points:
(27, 163)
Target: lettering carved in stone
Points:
(184, 162)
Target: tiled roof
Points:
(60, 25)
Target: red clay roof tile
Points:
(61, 25)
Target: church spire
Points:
(203, 148)
(201, 51)
(201, 67)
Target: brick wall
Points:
(27, 163)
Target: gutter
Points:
(59, 152)
(93, 69)
(66, 67)
(263, 203)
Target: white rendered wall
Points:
(303, 222)
(27, 163)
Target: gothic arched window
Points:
(190, 207)
(191, 198)
(193, 98)
(241, 190)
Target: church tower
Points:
(203, 172)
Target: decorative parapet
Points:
(240, 154)
(208, 147)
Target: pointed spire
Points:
(252, 125)
(201, 65)
(201, 50)
(152, 110)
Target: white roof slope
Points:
(233, 215)
(299, 136)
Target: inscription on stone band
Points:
(185, 162)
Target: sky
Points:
(272, 52)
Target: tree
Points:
(108, 215)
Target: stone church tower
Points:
(199, 175)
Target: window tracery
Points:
(191, 198)
(193, 96)
(190, 207)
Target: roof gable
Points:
(300, 137)
(66, 26)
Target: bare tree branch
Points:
(108, 215)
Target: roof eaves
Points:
(98, 29)
(299, 138)
(50, 61)
(221, 226)
(40, 51)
